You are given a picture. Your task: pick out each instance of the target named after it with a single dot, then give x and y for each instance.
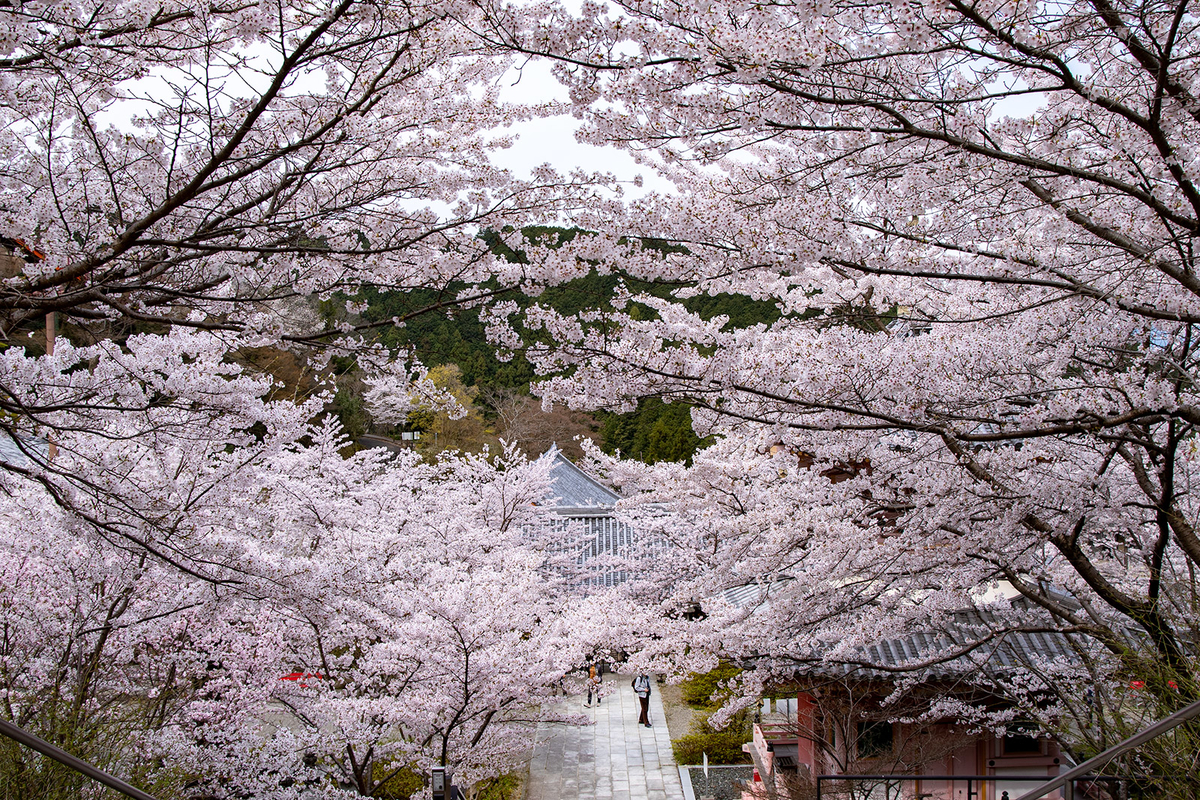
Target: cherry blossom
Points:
(975, 222)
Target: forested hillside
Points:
(656, 431)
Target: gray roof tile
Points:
(12, 453)
(1014, 650)
(574, 488)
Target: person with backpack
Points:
(641, 687)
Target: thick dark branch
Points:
(198, 182)
(1146, 57)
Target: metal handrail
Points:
(1064, 781)
(901, 777)
(26, 738)
(1096, 762)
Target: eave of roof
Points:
(1009, 652)
(576, 491)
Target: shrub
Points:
(503, 787)
(698, 689)
(401, 786)
(723, 746)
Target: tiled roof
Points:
(12, 454)
(573, 488)
(747, 596)
(600, 544)
(1004, 653)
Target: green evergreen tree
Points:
(656, 431)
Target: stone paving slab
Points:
(613, 758)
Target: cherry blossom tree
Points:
(224, 170)
(978, 223)
(204, 167)
(386, 616)
(440, 631)
(184, 185)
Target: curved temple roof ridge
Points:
(574, 488)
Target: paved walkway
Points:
(613, 758)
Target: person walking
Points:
(641, 687)
(593, 684)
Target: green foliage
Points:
(743, 312)
(437, 331)
(656, 431)
(722, 746)
(703, 690)
(503, 787)
(444, 336)
(420, 419)
(104, 742)
(400, 786)
(699, 689)
(24, 773)
(348, 406)
(466, 433)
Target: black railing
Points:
(1082, 781)
(1081, 787)
(26, 738)
(974, 782)
(1067, 780)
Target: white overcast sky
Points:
(552, 140)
